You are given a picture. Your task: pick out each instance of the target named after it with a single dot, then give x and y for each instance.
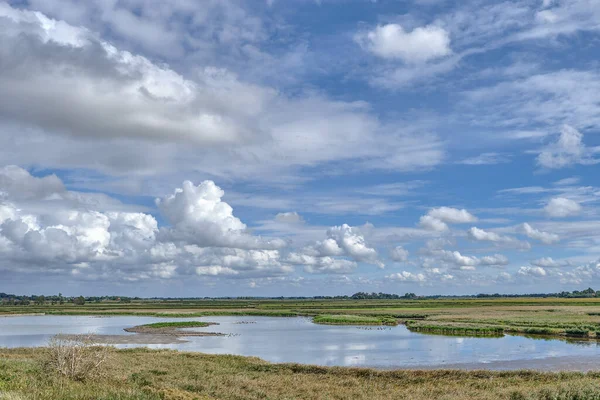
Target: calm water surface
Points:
(299, 340)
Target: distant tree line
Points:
(16, 300)
(381, 296)
(23, 300)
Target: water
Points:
(299, 340)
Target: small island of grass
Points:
(336, 319)
(173, 328)
(179, 324)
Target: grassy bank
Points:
(353, 320)
(484, 328)
(453, 329)
(168, 375)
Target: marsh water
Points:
(299, 340)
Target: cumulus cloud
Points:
(535, 272)
(197, 215)
(560, 207)
(569, 149)
(399, 254)
(16, 183)
(544, 237)
(582, 274)
(348, 241)
(463, 262)
(322, 265)
(432, 224)
(391, 41)
(482, 235)
(406, 276)
(427, 277)
(45, 230)
(437, 219)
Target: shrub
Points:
(76, 357)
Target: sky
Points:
(299, 147)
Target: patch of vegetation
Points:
(179, 324)
(354, 320)
(454, 329)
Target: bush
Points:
(76, 357)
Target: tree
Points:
(79, 301)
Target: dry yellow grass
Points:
(148, 375)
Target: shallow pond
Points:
(299, 340)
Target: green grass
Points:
(454, 329)
(353, 320)
(180, 324)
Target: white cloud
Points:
(568, 181)
(566, 151)
(119, 94)
(560, 207)
(289, 218)
(197, 215)
(582, 275)
(438, 218)
(348, 241)
(432, 224)
(399, 254)
(544, 237)
(482, 235)
(549, 262)
(452, 215)
(51, 229)
(215, 270)
(16, 183)
(536, 272)
(467, 263)
(391, 41)
(486, 159)
(131, 115)
(321, 265)
(406, 276)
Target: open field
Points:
(579, 318)
(142, 374)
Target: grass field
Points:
(142, 374)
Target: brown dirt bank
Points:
(170, 331)
(128, 339)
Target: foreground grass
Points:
(141, 374)
(353, 320)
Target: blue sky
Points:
(235, 148)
